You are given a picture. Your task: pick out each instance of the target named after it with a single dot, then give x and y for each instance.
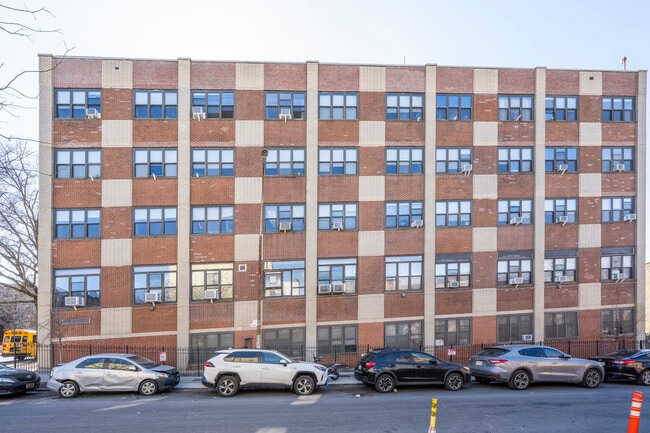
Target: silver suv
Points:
(229, 370)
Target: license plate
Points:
(478, 362)
(30, 385)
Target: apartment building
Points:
(213, 203)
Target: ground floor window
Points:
(290, 341)
(514, 327)
(563, 324)
(336, 339)
(403, 334)
(454, 332)
(617, 321)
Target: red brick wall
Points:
(73, 253)
(213, 75)
(74, 193)
(155, 74)
(371, 275)
(154, 250)
(117, 104)
(163, 318)
(75, 133)
(283, 311)
(210, 249)
(205, 315)
(77, 73)
(337, 78)
(454, 80)
(116, 286)
(337, 308)
(411, 304)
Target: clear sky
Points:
(562, 34)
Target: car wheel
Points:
(385, 383)
(644, 377)
(454, 382)
(519, 380)
(482, 380)
(334, 376)
(227, 386)
(304, 385)
(148, 387)
(69, 389)
(592, 378)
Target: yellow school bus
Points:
(19, 342)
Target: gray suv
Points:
(229, 370)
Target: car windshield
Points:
(492, 351)
(142, 361)
(622, 353)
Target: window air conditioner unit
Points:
(616, 276)
(619, 167)
(285, 114)
(516, 280)
(467, 168)
(527, 337)
(630, 217)
(152, 297)
(338, 288)
(562, 219)
(198, 113)
(211, 294)
(337, 226)
(516, 220)
(284, 226)
(324, 288)
(272, 279)
(561, 279)
(562, 167)
(74, 301)
(92, 113)
(452, 284)
(417, 224)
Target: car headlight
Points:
(161, 376)
(321, 368)
(7, 381)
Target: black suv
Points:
(386, 368)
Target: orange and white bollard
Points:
(635, 412)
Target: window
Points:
(338, 106)
(332, 340)
(616, 209)
(513, 327)
(514, 268)
(213, 162)
(75, 103)
(561, 325)
(453, 213)
(215, 105)
(285, 104)
(403, 334)
(560, 266)
(562, 108)
(453, 271)
(560, 210)
(456, 332)
(156, 280)
(403, 273)
(212, 276)
(337, 272)
(453, 159)
(618, 321)
(154, 221)
(155, 162)
(285, 162)
(515, 108)
(285, 278)
(84, 283)
(284, 217)
(618, 109)
(404, 160)
(210, 220)
(404, 106)
(514, 211)
(78, 164)
(337, 160)
(453, 107)
(561, 159)
(204, 345)
(515, 160)
(402, 214)
(617, 264)
(77, 223)
(617, 159)
(156, 104)
(290, 341)
(337, 216)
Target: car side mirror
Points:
(433, 361)
(133, 368)
(283, 362)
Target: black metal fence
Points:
(190, 360)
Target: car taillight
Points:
(208, 364)
(497, 361)
(624, 361)
(370, 364)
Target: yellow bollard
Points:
(434, 408)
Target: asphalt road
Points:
(352, 408)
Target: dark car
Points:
(386, 368)
(16, 381)
(628, 364)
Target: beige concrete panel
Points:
(591, 134)
(116, 322)
(249, 133)
(245, 311)
(589, 236)
(485, 186)
(591, 83)
(484, 301)
(117, 133)
(371, 308)
(247, 247)
(372, 133)
(486, 133)
(484, 239)
(590, 184)
(248, 190)
(589, 296)
(250, 76)
(372, 188)
(486, 81)
(372, 79)
(116, 252)
(117, 74)
(116, 192)
(371, 243)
